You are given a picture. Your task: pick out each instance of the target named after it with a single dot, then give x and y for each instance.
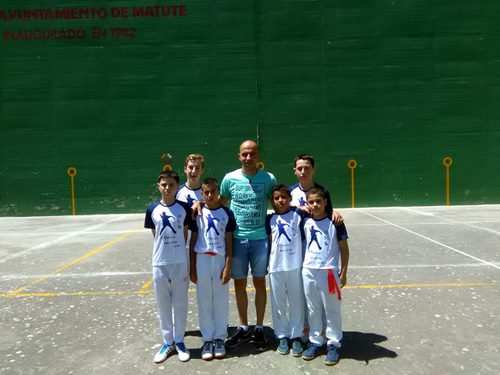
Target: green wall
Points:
(395, 85)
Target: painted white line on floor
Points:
(60, 239)
(428, 223)
(75, 275)
(451, 221)
(148, 273)
(87, 232)
(431, 240)
(437, 266)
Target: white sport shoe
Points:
(207, 351)
(219, 349)
(182, 352)
(163, 353)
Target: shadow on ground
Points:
(359, 346)
(362, 346)
(242, 350)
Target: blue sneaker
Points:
(283, 347)
(332, 355)
(312, 351)
(219, 349)
(182, 352)
(297, 348)
(207, 351)
(163, 353)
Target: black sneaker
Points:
(240, 336)
(259, 340)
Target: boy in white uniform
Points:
(168, 220)
(322, 277)
(211, 249)
(190, 191)
(285, 266)
(304, 169)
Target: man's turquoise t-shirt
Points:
(249, 197)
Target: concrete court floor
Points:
(423, 297)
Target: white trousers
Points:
(287, 302)
(171, 284)
(212, 296)
(323, 305)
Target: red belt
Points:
(333, 287)
(211, 253)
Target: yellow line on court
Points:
(149, 291)
(73, 262)
(146, 285)
(393, 286)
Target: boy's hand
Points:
(196, 208)
(225, 275)
(343, 279)
(305, 209)
(192, 275)
(337, 218)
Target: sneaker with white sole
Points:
(219, 349)
(164, 352)
(332, 355)
(312, 351)
(207, 351)
(283, 347)
(297, 348)
(182, 352)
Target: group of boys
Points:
(301, 245)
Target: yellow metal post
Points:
(72, 172)
(352, 164)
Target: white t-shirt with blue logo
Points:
(169, 222)
(322, 243)
(190, 196)
(286, 241)
(212, 226)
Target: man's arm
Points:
(154, 232)
(223, 200)
(344, 260)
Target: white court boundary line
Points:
(77, 275)
(451, 221)
(67, 275)
(399, 266)
(60, 239)
(431, 240)
(97, 232)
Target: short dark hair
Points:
(307, 157)
(169, 174)
(317, 190)
(282, 188)
(210, 181)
